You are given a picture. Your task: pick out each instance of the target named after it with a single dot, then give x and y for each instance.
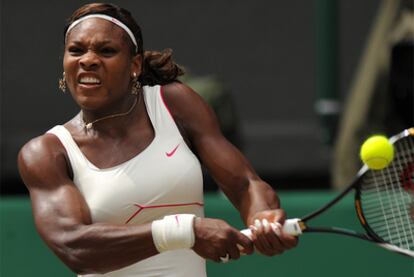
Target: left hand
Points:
(267, 234)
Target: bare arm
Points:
(253, 197)
(63, 219)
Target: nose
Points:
(89, 60)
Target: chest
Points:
(105, 152)
(164, 178)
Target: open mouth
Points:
(89, 81)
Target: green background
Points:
(24, 254)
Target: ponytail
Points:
(159, 68)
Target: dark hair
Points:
(158, 68)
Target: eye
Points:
(74, 50)
(108, 51)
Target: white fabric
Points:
(108, 18)
(145, 188)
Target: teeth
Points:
(89, 80)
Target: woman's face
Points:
(98, 63)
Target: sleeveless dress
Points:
(164, 179)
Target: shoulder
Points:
(190, 111)
(178, 92)
(183, 102)
(40, 157)
(41, 146)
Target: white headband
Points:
(106, 17)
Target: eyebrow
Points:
(98, 43)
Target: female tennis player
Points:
(117, 190)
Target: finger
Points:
(279, 217)
(260, 241)
(288, 241)
(221, 255)
(244, 244)
(249, 234)
(217, 259)
(272, 235)
(276, 247)
(266, 226)
(234, 252)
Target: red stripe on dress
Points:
(142, 207)
(165, 104)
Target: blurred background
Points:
(281, 75)
(296, 85)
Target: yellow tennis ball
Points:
(377, 152)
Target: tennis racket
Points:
(384, 202)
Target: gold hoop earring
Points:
(62, 83)
(136, 85)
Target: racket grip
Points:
(291, 227)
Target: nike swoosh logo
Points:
(172, 152)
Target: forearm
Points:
(101, 247)
(256, 196)
(238, 180)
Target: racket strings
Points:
(387, 197)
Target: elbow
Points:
(80, 270)
(72, 258)
(80, 264)
(77, 258)
(76, 266)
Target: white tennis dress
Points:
(163, 179)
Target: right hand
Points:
(214, 238)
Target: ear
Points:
(136, 65)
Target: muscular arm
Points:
(63, 219)
(253, 197)
(234, 174)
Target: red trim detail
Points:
(165, 104)
(142, 207)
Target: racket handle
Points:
(291, 227)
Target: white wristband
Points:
(173, 232)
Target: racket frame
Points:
(354, 185)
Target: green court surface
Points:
(22, 252)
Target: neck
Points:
(103, 120)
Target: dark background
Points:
(264, 52)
